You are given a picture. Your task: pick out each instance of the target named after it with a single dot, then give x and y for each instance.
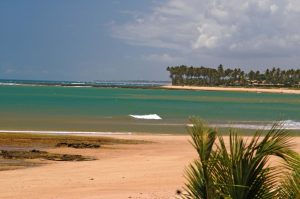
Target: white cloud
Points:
(218, 27)
(293, 6)
(165, 57)
(273, 8)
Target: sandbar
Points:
(237, 89)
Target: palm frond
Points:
(200, 184)
(290, 184)
(242, 169)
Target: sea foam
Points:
(8, 84)
(290, 124)
(285, 124)
(147, 117)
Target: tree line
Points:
(205, 76)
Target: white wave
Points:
(285, 124)
(245, 126)
(290, 124)
(78, 86)
(76, 83)
(66, 132)
(8, 84)
(147, 117)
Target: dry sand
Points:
(257, 90)
(125, 171)
(152, 170)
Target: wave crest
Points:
(147, 117)
(285, 124)
(291, 124)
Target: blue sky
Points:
(135, 40)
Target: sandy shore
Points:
(257, 90)
(128, 171)
(124, 171)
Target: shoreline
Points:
(169, 87)
(87, 133)
(289, 125)
(235, 89)
(148, 170)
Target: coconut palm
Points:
(242, 170)
(205, 76)
(290, 184)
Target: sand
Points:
(257, 90)
(123, 171)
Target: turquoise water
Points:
(108, 109)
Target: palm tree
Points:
(242, 170)
(220, 74)
(205, 76)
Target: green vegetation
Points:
(242, 169)
(204, 76)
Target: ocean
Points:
(58, 107)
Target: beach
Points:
(133, 99)
(256, 90)
(151, 167)
(149, 170)
(152, 170)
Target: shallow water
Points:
(59, 108)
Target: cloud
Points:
(165, 58)
(218, 27)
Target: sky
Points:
(88, 40)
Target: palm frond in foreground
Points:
(242, 169)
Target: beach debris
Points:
(178, 192)
(80, 145)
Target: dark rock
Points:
(36, 154)
(35, 151)
(80, 145)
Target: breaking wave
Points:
(285, 124)
(147, 117)
(290, 124)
